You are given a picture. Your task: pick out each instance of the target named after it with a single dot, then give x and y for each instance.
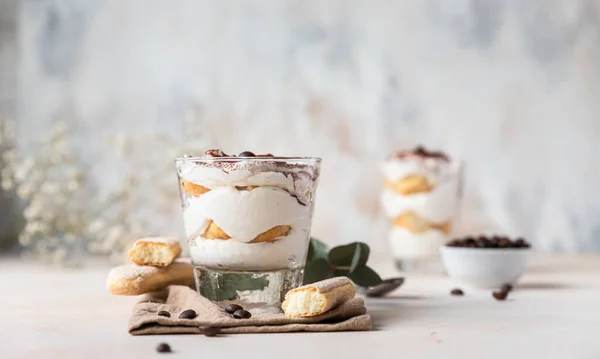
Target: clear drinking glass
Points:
(248, 222)
(421, 198)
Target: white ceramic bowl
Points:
(485, 267)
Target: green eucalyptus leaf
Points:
(317, 270)
(365, 276)
(316, 249)
(341, 272)
(350, 255)
(356, 257)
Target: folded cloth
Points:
(349, 316)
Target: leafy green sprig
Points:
(349, 260)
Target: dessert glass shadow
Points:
(421, 195)
(248, 222)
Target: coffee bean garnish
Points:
(241, 314)
(506, 287)
(210, 331)
(231, 308)
(164, 348)
(246, 154)
(188, 314)
(500, 295)
(164, 313)
(457, 291)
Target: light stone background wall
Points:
(511, 87)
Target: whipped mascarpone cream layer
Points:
(288, 252)
(243, 215)
(438, 205)
(297, 180)
(435, 170)
(405, 244)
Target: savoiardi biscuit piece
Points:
(414, 223)
(131, 279)
(410, 184)
(155, 251)
(317, 298)
(193, 189)
(271, 235)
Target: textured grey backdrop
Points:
(511, 87)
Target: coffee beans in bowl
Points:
(489, 242)
(486, 261)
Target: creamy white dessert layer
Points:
(405, 244)
(288, 252)
(435, 170)
(212, 177)
(243, 215)
(438, 205)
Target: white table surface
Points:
(553, 313)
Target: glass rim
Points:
(252, 159)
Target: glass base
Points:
(420, 265)
(256, 291)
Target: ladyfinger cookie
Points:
(317, 298)
(155, 251)
(131, 279)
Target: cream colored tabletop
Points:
(553, 313)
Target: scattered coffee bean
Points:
(188, 314)
(164, 313)
(246, 154)
(506, 287)
(241, 314)
(210, 331)
(164, 348)
(231, 308)
(500, 295)
(457, 291)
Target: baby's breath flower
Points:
(24, 239)
(7, 184)
(70, 237)
(59, 255)
(73, 186)
(96, 226)
(34, 210)
(25, 190)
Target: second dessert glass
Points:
(248, 222)
(421, 197)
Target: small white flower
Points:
(24, 239)
(96, 226)
(73, 186)
(34, 210)
(25, 190)
(70, 237)
(50, 188)
(10, 156)
(7, 184)
(114, 234)
(59, 255)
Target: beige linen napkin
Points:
(350, 316)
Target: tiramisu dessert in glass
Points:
(420, 197)
(247, 219)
